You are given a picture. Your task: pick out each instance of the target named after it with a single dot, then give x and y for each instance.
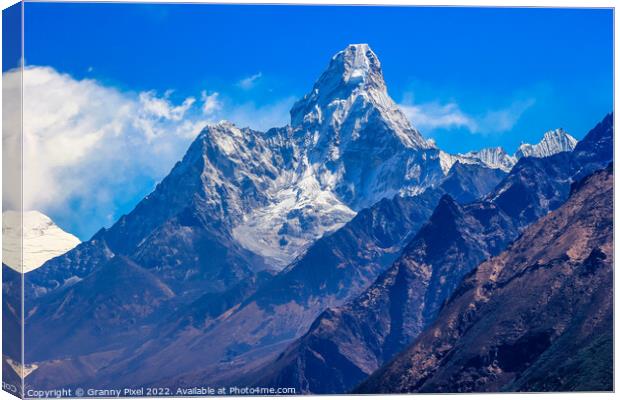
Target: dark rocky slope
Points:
(536, 317)
(469, 182)
(100, 313)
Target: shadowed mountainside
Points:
(538, 317)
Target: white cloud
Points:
(90, 145)
(92, 150)
(434, 115)
(250, 81)
(210, 103)
(161, 107)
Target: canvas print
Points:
(206, 200)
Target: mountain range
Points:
(306, 256)
(553, 142)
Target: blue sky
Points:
(474, 77)
(11, 37)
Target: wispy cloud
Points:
(437, 115)
(504, 119)
(210, 103)
(250, 81)
(101, 149)
(434, 115)
(161, 108)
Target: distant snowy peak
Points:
(447, 160)
(350, 93)
(42, 239)
(553, 142)
(493, 157)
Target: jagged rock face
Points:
(553, 142)
(349, 143)
(296, 209)
(531, 318)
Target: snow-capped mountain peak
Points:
(553, 142)
(42, 239)
(355, 69)
(347, 147)
(361, 65)
(355, 66)
(352, 92)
